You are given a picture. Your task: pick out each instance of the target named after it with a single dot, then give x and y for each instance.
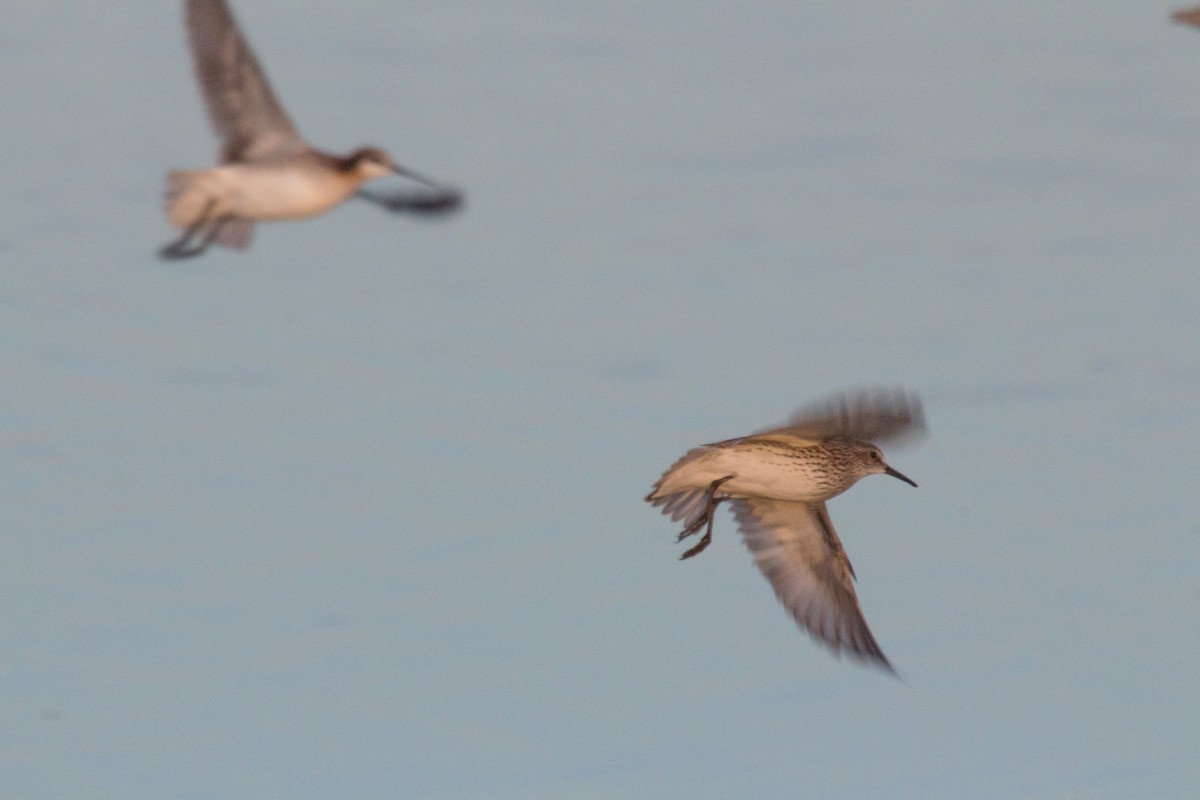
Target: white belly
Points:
(265, 193)
(771, 473)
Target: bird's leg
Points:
(179, 248)
(703, 518)
(214, 230)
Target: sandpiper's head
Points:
(371, 162)
(866, 459)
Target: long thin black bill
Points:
(895, 473)
(416, 176)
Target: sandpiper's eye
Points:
(874, 455)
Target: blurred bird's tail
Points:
(192, 198)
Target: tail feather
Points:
(235, 232)
(682, 491)
(184, 199)
(191, 197)
(684, 505)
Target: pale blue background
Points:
(357, 513)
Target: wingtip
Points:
(886, 666)
(877, 660)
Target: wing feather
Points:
(243, 109)
(799, 553)
(869, 415)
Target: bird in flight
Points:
(266, 170)
(777, 482)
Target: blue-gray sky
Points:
(357, 513)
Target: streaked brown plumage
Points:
(777, 482)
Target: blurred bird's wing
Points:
(870, 415)
(243, 109)
(1188, 16)
(437, 201)
(798, 551)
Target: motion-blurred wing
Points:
(240, 103)
(871, 415)
(797, 549)
(437, 201)
(1188, 16)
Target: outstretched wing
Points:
(797, 549)
(243, 109)
(870, 415)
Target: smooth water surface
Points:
(357, 513)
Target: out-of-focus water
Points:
(358, 513)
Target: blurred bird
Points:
(777, 482)
(267, 171)
(1188, 16)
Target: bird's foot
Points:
(704, 520)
